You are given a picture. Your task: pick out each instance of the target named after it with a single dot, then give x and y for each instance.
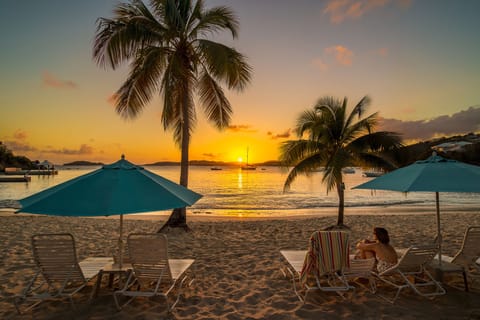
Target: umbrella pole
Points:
(439, 233)
(120, 244)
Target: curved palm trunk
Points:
(178, 217)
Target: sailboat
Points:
(248, 166)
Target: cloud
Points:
(285, 135)
(50, 80)
(341, 10)
(319, 64)
(459, 123)
(20, 135)
(382, 52)
(342, 54)
(84, 149)
(19, 146)
(241, 128)
(209, 155)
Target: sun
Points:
(240, 159)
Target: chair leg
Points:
(465, 281)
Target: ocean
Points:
(259, 193)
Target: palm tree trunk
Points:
(341, 202)
(178, 218)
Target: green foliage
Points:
(332, 138)
(8, 159)
(169, 47)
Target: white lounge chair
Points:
(468, 257)
(326, 260)
(411, 272)
(59, 274)
(154, 274)
(361, 268)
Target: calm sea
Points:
(233, 192)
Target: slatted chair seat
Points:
(411, 272)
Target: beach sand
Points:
(237, 267)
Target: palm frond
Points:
(293, 152)
(142, 82)
(213, 21)
(216, 106)
(117, 40)
(377, 141)
(225, 63)
(305, 167)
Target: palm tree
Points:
(167, 46)
(331, 138)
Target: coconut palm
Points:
(168, 47)
(330, 137)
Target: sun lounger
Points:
(154, 274)
(325, 260)
(467, 259)
(411, 272)
(59, 274)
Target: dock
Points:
(15, 179)
(31, 172)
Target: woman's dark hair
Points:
(382, 235)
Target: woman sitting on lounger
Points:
(380, 249)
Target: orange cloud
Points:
(319, 64)
(383, 52)
(84, 149)
(51, 81)
(341, 10)
(241, 128)
(343, 55)
(20, 135)
(284, 135)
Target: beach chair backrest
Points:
(417, 256)
(470, 250)
(149, 257)
(327, 253)
(56, 258)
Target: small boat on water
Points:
(215, 168)
(248, 166)
(372, 174)
(348, 170)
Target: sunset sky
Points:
(417, 59)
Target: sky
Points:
(418, 60)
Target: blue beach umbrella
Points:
(435, 174)
(115, 189)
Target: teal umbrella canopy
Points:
(118, 188)
(435, 174)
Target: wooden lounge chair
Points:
(326, 260)
(154, 274)
(411, 272)
(59, 274)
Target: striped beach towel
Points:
(327, 253)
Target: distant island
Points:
(209, 163)
(465, 148)
(83, 163)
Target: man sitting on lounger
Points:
(379, 248)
